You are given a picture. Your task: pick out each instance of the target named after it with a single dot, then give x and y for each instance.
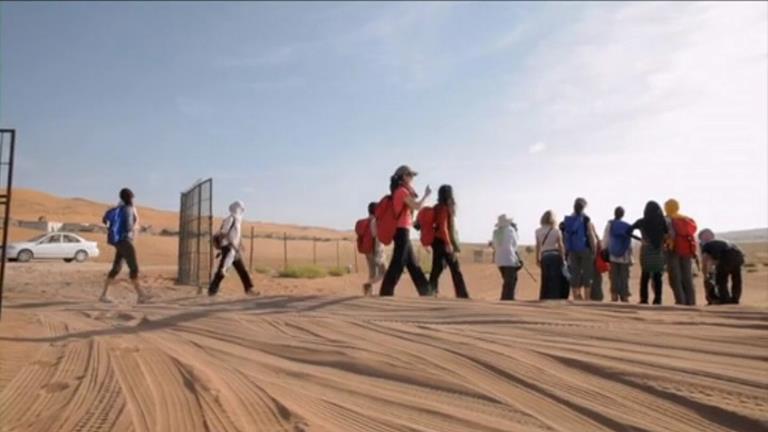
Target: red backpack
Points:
(685, 230)
(386, 220)
(601, 265)
(426, 223)
(364, 236)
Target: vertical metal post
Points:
(210, 230)
(314, 250)
(285, 251)
(250, 257)
(338, 257)
(6, 219)
(354, 252)
(199, 235)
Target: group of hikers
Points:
(570, 255)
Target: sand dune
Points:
(30, 205)
(309, 362)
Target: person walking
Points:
(580, 248)
(682, 250)
(505, 255)
(228, 239)
(404, 202)
(726, 259)
(549, 257)
(121, 222)
(445, 246)
(371, 247)
(654, 230)
(617, 241)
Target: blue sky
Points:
(303, 110)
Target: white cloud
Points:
(537, 148)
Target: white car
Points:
(58, 245)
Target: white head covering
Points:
(504, 221)
(237, 209)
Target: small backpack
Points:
(620, 239)
(685, 230)
(386, 220)
(426, 223)
(217, 241)
(601, 264)
(575, 230)
(115, 220)
(365, 243)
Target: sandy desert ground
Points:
(314, 355)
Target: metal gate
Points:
(7, 149)
(195, 228)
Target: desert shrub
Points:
(530, 249)
(750, 265)
(262, 269)
(337, 271)
(751, 270)
(302, 272)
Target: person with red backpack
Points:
(394, 219)
(121, 224)
(370, 246)
(580, 248)
(682, 251)
(445, 244)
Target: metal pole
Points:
(354, 252)
(6, 220)
(199, 235)
(250, 258)
(314, 251)
(338, 258)
(285, 251)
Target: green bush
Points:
(337, 271)
(751, 270)
(750, 265)
(302, 272)
(262, 269)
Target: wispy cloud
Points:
(537, 148)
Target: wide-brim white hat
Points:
(504, 221)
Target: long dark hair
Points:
(445, 197)
(126, 196)
(396, 181)
(654, 225)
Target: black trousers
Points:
(245, 278)
(441, 257)
(402, 258)
(509, 275)
(554, 285)
(645, 278)
(125, 251)
(729, 267)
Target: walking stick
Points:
(529, 273)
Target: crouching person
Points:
(228, 240)
(726, 259)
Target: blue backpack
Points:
(575, 230)
(620, 239)
(115, 220)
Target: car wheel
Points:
(24, 256)
(81, 256)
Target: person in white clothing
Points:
(228, 238)
(376, 260)
(504, 245)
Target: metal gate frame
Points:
(195, 230)
(6, 187)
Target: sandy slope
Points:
(345, 363)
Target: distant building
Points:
(38, 225)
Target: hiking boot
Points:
(252, 293)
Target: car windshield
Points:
(37, 238)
